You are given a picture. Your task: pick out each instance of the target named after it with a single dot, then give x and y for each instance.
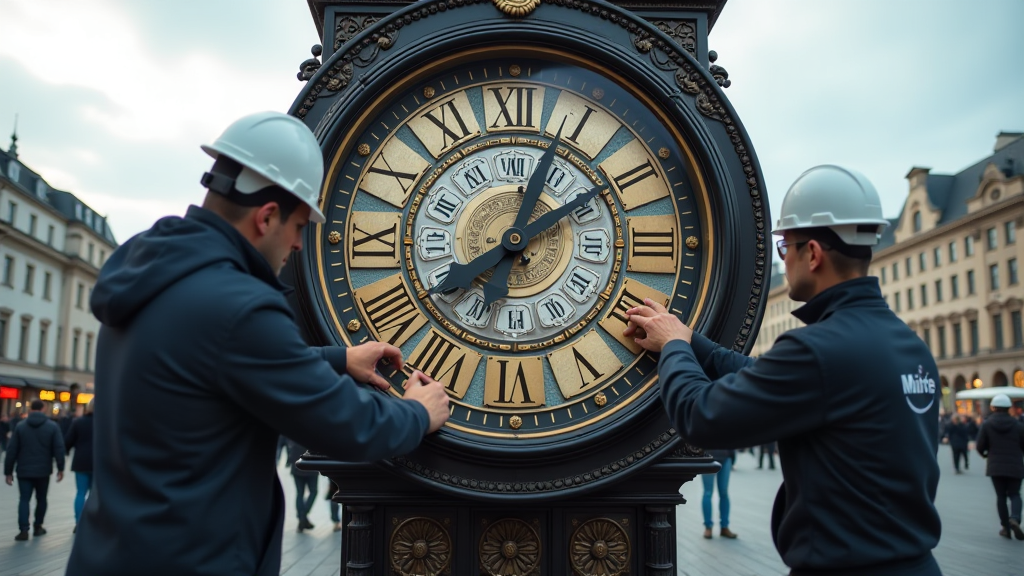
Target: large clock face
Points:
(435, 175)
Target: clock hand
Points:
(497, 287)
(551, 218)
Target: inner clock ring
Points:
(484, 222)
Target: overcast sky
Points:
(115, 96)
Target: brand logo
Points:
(917, 388)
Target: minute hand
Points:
(551, 218)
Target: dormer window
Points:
(995, 194)
(13, 171)
(917, 221)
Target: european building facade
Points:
(51, 248)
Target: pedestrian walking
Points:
(721, 479)
(79, 437)
(1001, 441)
(5, 432)
(305, 485)
(957, 434)
(857, 439)
(195, 322)
(767, 450)
(35, 446)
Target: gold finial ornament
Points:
(354, 325)
(692, 242)
(334, 237)
(515, 422)
(517, 8)
(515, 70)
(600, 399)
(429, 92)
(364, 149)
(664, 153)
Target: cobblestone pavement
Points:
(970, 545)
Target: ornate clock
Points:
(504, 181)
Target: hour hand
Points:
(462, 275)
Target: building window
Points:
(47, 280)
(942, 341)
(78, 295)
(12, 212)
(908, 266)
(1018, 333)
(1011, 265)
(92, 249)
(954, 286)
(993, 277)
(32, 221)
(897, 296)
(970, 282)
(30, 277)
(103, 257)
(920, 262)
(49, 235)
(958, 345)
(3, 336)
(43, 329)
(938, 290)
(9, 271)
(972, 326)
(895, 271)
(917, 221)
(952, 251)
(88, 352)
(910, 299)
(1011, 232)
(883, 274)
(928, 338)
(997, 331)
(937, 256)
(991, 238)
(969, 245)
(74, 350)
(924, 295)
(23, 339)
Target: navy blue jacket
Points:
(1001, 441)
(852, 400)
(199, 367)
(35, 444)
(79, 437)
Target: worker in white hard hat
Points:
(1001, 442)
(200, 367)
(851, 397)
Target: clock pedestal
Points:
(393, 526)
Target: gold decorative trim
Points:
(334, 237)
(354, 325)
(364, 149)
(600, 546)
(692, 242)
(515, 422)
(664, 153)
(429, 92)
(515, 70)
(510, 546)
(517, 8)
(600, 399)
(420, 546)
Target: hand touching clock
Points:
(361, 362)
(658, 325)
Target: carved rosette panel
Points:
(420, 546)
(682, 31)
(600, 547)
(509, 547)
(346, 28)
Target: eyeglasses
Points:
(783, 247)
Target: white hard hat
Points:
(833, 197)
(1001, 401)
(274, 149)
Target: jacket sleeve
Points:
(336, 356)
(72, 436)
(270, 371)
(57, 445)
(715, 360)
(981, 444)
(13, 449)
(774, 397)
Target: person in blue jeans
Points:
(725, 458)
(79, 437)
(305, 486)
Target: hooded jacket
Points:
(79, 437)
(35, 444)
(199, 367)
(1001, 441)
(853, 402)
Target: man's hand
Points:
(431, 394)
(60, 475)
(361, 362)
(10, 480)
(657, 326)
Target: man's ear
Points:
(263, 217)
(817, 255)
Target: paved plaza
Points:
(970, 545)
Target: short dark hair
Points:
(236, 204)
(847, 258)
(36, 404)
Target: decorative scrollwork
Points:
(600, 547)
(682, 31)
(309, 67)
(510, 547)
(420, 546)
(347, 27)
(720, 75)
(517, 8)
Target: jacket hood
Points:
(174, 248)
(1002, 422)
(36, 419)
